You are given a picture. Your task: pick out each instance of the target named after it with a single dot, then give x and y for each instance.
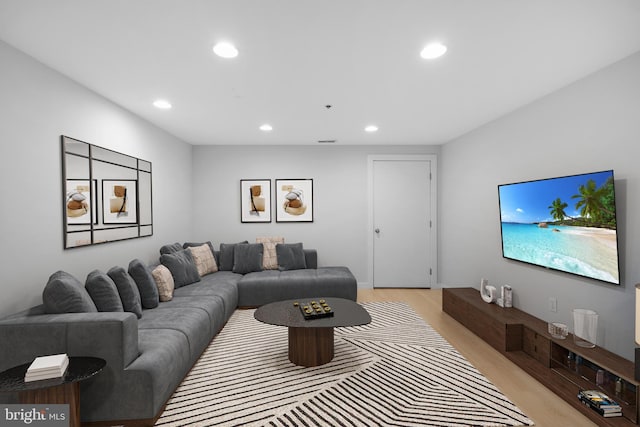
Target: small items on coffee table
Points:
(314, 309)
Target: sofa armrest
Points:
(311, 258)
(111, 336)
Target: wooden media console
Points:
(559, 364)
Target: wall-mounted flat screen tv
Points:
(566, 223)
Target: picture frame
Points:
(80, 202)
(119, 201)
(255, 200)
(294, 200)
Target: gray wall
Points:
(339, 231)
(37, 105)
(589, 126)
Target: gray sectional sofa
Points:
(149, 352)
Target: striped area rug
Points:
(396, 371)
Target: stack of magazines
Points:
(600, 402)
(43, 368)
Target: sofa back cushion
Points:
(182, 267)
(103, 291)
(63, 293)
(247, 258)
(146, 285)
(227, 251)
(128, 290)
(291, 256)
(170, 248)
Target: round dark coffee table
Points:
(311, 341)
(61, 390)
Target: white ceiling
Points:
(296, 56)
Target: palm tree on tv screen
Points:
(595, 203)
(557, 209)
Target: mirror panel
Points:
(109, 156)
(143, 165)
(146, 230)
(107, 195)
(144, 186)
(74, 146)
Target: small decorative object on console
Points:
(600, 402)
(558, 330)
(314, 309)
(487, 292)
(506, 297)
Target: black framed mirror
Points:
(107, 195)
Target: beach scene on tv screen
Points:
(566, 224)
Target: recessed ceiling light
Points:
(433, 51)
(371, 128)
(266, 127)
(163, 104)
(225, 50)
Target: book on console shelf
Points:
(600, 402)
(46, 367)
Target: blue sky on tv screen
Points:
(528, 202)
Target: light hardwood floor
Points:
(534, 399)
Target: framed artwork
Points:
(119, 201)
(255, 200)
(294, 200)
(80, 202)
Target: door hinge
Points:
(430, 272)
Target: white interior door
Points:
(402, 221)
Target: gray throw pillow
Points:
(290, 256)
(103, 291)
(146, 285)
(169, 249)
(128, 290)
(63, 293)
(247, 258)
(227, 257)
(182, 267)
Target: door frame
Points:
(433, 203)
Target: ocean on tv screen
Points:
(586, 251)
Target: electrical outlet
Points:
(553, 304)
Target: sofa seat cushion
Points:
(193, 323)
(222, 283)
(212, 305)
(256, 289)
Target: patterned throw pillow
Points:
(203, 257)
(269, 257)
(164, 282)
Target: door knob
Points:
(377, 230)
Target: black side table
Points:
(61, 390)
